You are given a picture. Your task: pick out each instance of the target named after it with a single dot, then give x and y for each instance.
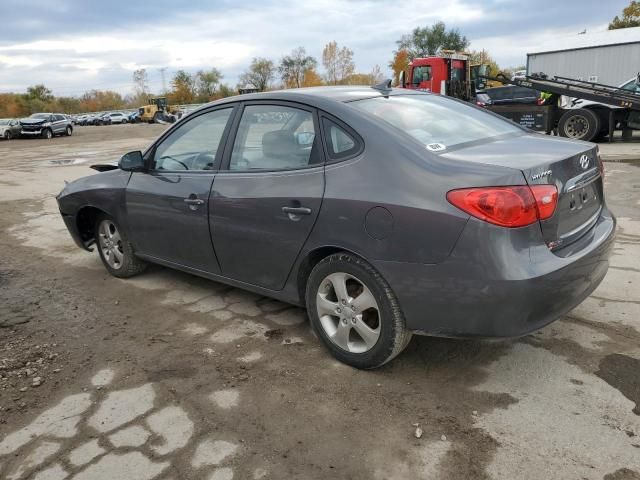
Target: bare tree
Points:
(338, 63)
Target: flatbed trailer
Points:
(606, 107)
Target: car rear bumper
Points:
(505, 288)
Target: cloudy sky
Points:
(76, 45)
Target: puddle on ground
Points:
(65, 161)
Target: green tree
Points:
(261, 73)
(423, 42)
(293, 66)
(338, 63)
(225, 91)
(183, 88)
(39, 92)
(630, 17)
(206, 83)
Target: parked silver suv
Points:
(46, 125)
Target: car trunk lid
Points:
(573, 167)
(580, 197)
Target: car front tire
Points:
(116, 252)
(47, 133)
(354, 312)
(8, 135)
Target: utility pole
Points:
(164, 83)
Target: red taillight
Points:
(511, 206)
(546, 200)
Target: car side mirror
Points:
(305, 138)
(403, 79)
(132, 162)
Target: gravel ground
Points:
(170, 376)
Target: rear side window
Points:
(275, 137)
(438, 122)
(340, 143)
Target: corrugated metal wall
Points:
(610, 65)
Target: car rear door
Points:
(59, 124)
(168, 206)
(266, 199)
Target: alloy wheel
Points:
(348, 312)
(110, 244)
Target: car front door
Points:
(267, 198)
(168, 206)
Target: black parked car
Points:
(46, 125)
(385, 212)
(9, 128)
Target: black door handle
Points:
(296, 210)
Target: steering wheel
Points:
(174, 160)
(204, 158)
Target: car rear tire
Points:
(47, 133)
(8, 135)
(69, 131)
(580, 124)
(116, 252)
(354, 312)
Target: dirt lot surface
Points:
(170, 376)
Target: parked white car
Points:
(117, 117)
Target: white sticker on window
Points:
(436, 147)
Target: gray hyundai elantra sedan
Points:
(384, 212)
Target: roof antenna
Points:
(384, 86)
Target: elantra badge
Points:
(584, 162)
(538, 176)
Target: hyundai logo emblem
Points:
(584, 162)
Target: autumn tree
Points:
(630, 17)
(482, 57)
(311, 78)
(293, 66)
(423, 42)
(206, 83)
(400, 63)
(261, 73)
(182, 88)
(338, 63)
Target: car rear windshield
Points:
(436, 121)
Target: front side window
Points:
(422, 74)
(436, 120)
(194, 144)
(274, 137)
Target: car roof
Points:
(319, 96)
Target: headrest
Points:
(278, 143)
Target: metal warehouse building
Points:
(611, 57)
